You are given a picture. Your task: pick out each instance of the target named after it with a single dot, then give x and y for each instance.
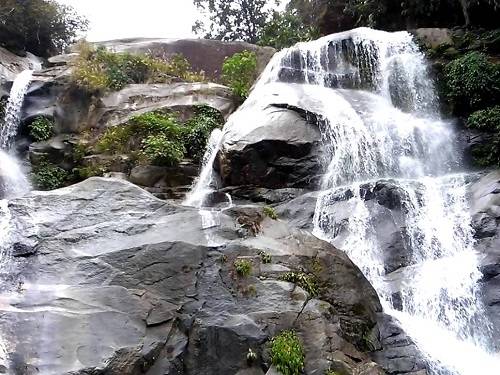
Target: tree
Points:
(232, 19)
(285, 29)
(42, 27)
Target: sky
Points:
(113, 19)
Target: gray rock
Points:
(11, 65)
(485, 199)
(434, 37)
(282, 152)
(123, 283)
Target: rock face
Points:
(486, 219)
(51, 95)
(203, 54)
(11, 65)
(112, 280)
(282, 152)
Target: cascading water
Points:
(13, 182)
(382, 130)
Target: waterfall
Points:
(383, 134)
(13, 109)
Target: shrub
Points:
(486, 120)
(243, 267)
(306, 282)
(287, 353)
(472, 81)
(41, 129)
(115, 139)
(162, 151)
(47, 176)
(198, 130)
(270, 212)
(265, 257)
(239, 72)
(97, 69)
(83, 173)
(487, 155)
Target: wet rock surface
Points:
(486, 219)
(124, 283)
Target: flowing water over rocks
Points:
(391, 179)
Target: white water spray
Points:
(379, 121)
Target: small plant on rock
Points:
(243, 267)
(331, 372)
(251, 356)
(41, 129)
(265, 257)
(270, 212)
(47, 176)
(287, 353)
(239, 72)
(306, 282)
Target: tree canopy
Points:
(233, 19)
(43, 27)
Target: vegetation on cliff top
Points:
(97, 69)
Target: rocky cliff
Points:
(108, 279)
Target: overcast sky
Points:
(113, 19)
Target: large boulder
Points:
(203, 54)
(283, 150)
(112, 280)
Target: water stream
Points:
(382, 129)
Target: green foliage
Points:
(162, 150)
(160, 138)
(265, 257)
(285, 29)
(287, 353)
(115, 139)
(472, 81)
(306, 282)
(486, 120)
(42, 27)
(198, 130)
(41, 129)
(270, 212)
(331, 372)
(47, 176)
(97, 69)
(83, 173)
(239, 72)
(231, 19)
(243, 267)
